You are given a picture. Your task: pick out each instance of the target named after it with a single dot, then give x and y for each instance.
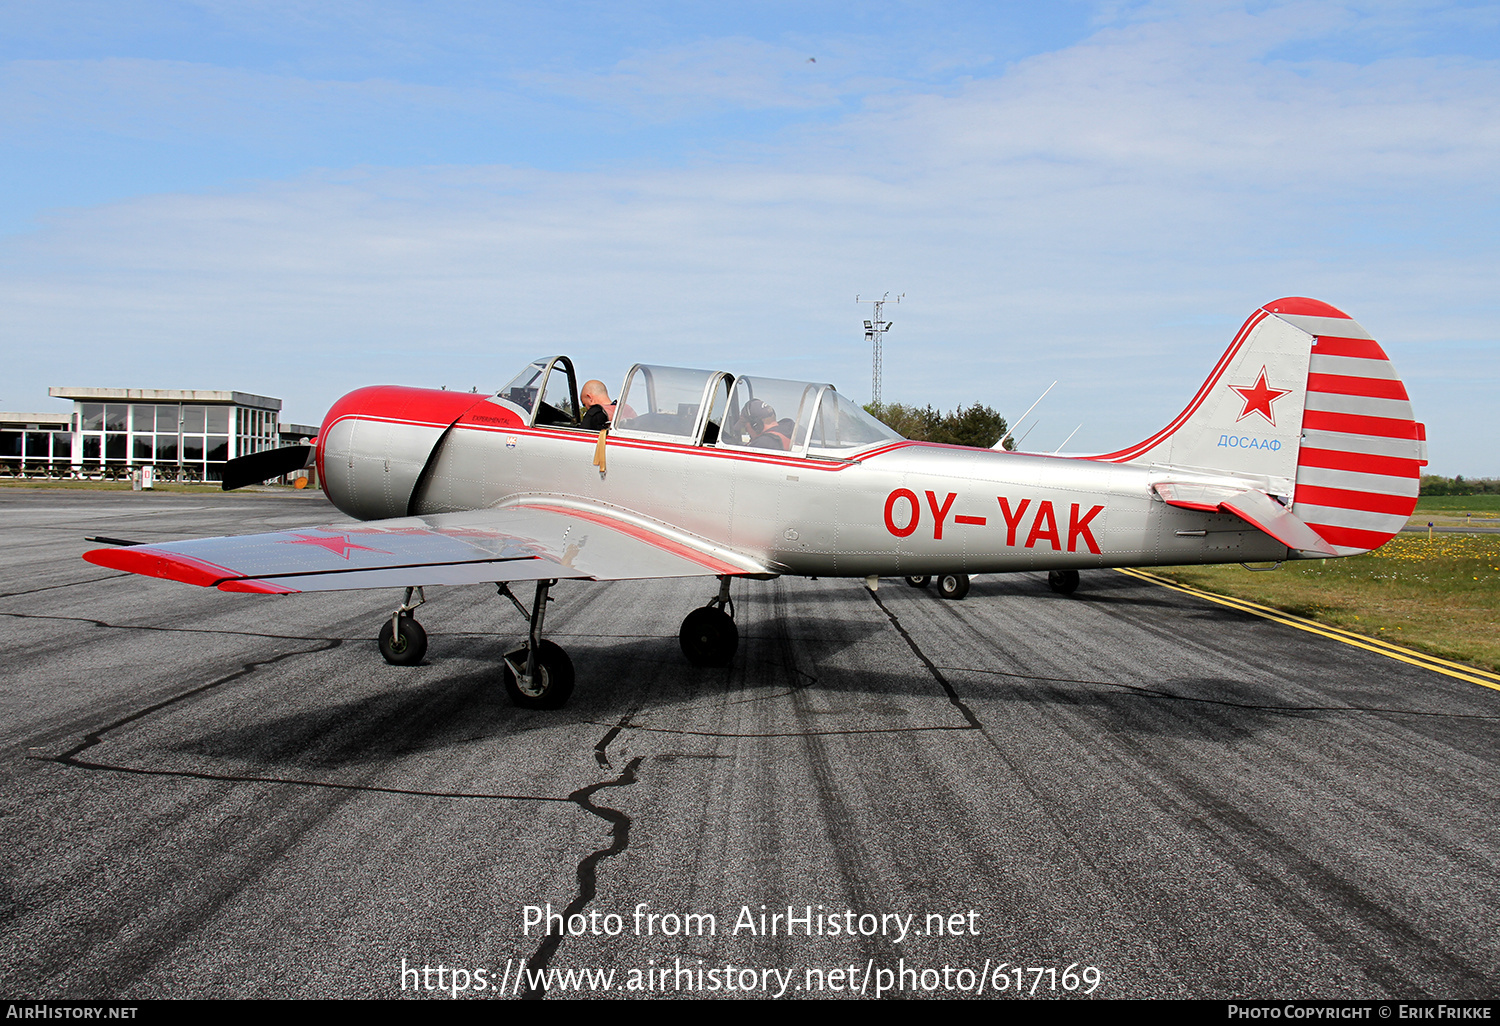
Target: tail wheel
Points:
(549, 687)
(709, 637)
(1064, 582)
(405, 648)
(953, 586)
(919, 582)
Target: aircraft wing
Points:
(540, 541)
(1252, 506)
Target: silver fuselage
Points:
(908, 509)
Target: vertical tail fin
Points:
(1305, 403)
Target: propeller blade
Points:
(261, 466)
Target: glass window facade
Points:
(183, 441)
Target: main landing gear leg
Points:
(538, 674)
(709, 636)
(403, 642)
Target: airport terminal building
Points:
(184, 435)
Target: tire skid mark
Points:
(1274, 864)
(795, 733)
(588, 879)
(837, 818)
(106, 625)
(1158, 693)
(1267, 859)
(69, 584)
(1045, 808)
(95, 737)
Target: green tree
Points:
(977, 425)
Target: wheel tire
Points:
(551, 686)
(709, 637)
(1064, 582)
(408, 648)
(953, 586)
(919, 582)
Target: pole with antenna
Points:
(875, 330)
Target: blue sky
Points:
(300, 198)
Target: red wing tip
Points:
(149, 562)
(1301, 306)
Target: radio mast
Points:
(875, 330)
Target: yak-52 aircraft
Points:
(1301, 444)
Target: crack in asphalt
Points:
(588, 880)
(932, 668)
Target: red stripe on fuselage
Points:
(662, 542)
(745, 455)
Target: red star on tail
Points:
(1259, 397)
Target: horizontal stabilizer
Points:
(1252, 506)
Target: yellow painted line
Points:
(1438, 665)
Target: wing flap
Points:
(516, 543)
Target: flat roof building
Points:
(184, 434)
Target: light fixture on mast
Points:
(875, 329)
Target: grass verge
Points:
(1440, 597)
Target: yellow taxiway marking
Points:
(1467, 673)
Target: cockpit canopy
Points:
(703, 407)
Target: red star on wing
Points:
(1259, 397)
(338, 544)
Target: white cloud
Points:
(1106, 214)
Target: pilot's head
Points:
(758, 416)
(594, 394)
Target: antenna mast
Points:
(875, 330)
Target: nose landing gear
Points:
(708, 635)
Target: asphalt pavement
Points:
(1130, 792)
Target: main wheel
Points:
(919, 582)
(406, 648)
(1064, 582)
(953, 586)
(551, 684)
(709, 637)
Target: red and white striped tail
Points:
(1362, 452)
(1304, 406)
